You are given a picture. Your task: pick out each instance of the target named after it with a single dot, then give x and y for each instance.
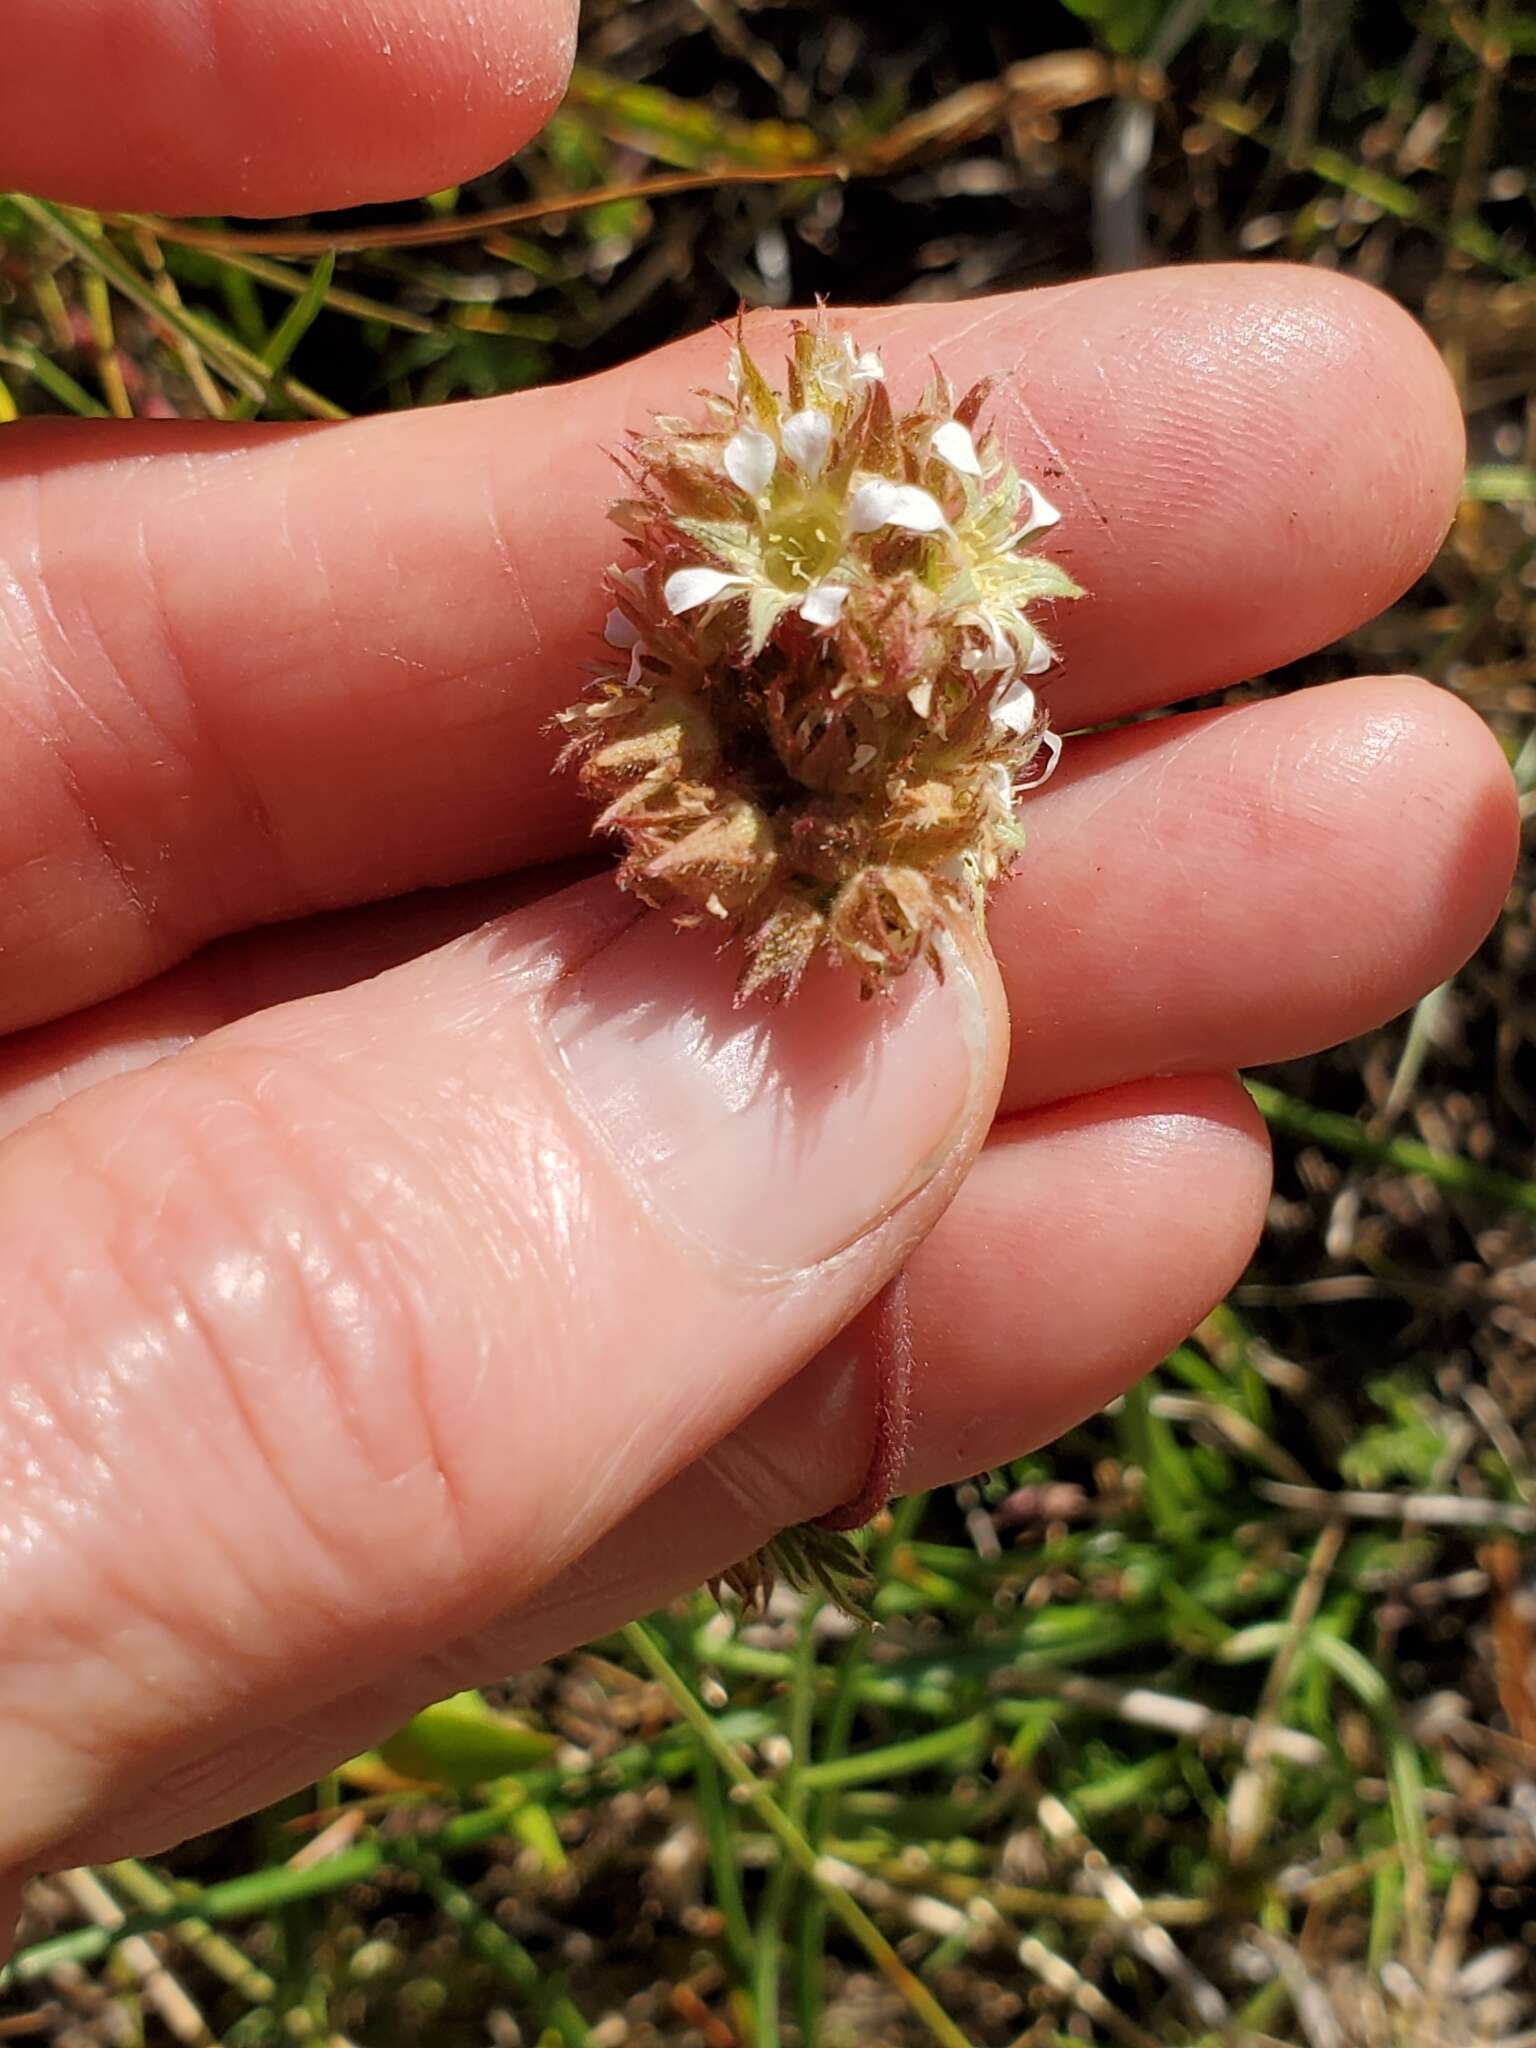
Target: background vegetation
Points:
(1217, 1722)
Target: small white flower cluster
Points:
(751, 459)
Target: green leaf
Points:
(462, 1742)
(1123, 26)
(534, 1826)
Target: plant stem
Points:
(1447, 1170)
(791, 1840)
(783, 1881)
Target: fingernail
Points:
(772, 1138)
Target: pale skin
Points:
(395, 1299)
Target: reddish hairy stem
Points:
(892, 1366)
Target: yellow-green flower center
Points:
(801, 540)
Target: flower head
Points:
(824, 715)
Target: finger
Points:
(258, 681)
(1085, 1242)
(1244, 886)
(249, 972)
(271, 106)
(1197, 893)
(352, 1325)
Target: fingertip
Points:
(1126, 1150)
(1250, 460)
(1118, 1219)
(1407, 403)
(236, 106)
(1322, 424)
(1457, 799)
(1245, 886)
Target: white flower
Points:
(1001, 654)
(882, 503)
(686, 589)
(806, 437)
(1042, 513)
(997, 655)
(622, 633)
(1015, 709)
(856, 368)
(749, 460)
(823, 604)
(1041, 655)
(1052, 745)
(952, 444)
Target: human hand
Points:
(397, 1297)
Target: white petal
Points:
(952, 443)
(1052, 745)
(823, 604)
(1004, 785)
(806, 437)
(882, 503)
(920, 697)
(1015, 709)
(996, 656)
(619, 630)
(847, 373)
(1042, 513)
(749, 460)
(686, 589)
(862, 756)
(1041, 656)
(636, 657)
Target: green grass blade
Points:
(239, 365)
(1335, 1133)
(289, 332)
(59, 385)
(792, 1842)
